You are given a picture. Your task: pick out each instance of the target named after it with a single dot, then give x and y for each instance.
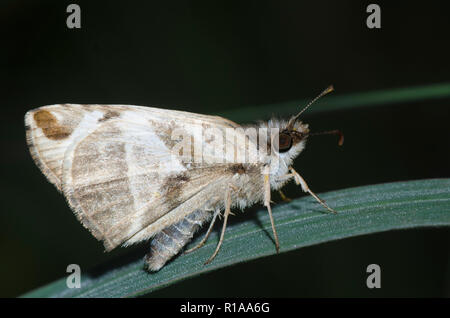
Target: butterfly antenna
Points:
(331, 132)
(329, 89)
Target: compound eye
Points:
(284, 142)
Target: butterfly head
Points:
(286, 144)
(291, 139)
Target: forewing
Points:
(116, 167)
(51, 130)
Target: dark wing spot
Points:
(50, 126)
(108, 115)
(173, 186)
(237, 168)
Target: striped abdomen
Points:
(168, 243)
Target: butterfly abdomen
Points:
(169, 242)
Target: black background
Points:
(209, 57)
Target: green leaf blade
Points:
(337, 102)
(300, 223)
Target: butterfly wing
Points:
(117, 168)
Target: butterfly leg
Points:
(225, 219)
(269, 209)
(300, 181)
(284, 197)
(203, 241)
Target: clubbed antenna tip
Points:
(329, 89)
(324, 92)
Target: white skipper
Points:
(133, 173)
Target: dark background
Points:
(210, 57)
